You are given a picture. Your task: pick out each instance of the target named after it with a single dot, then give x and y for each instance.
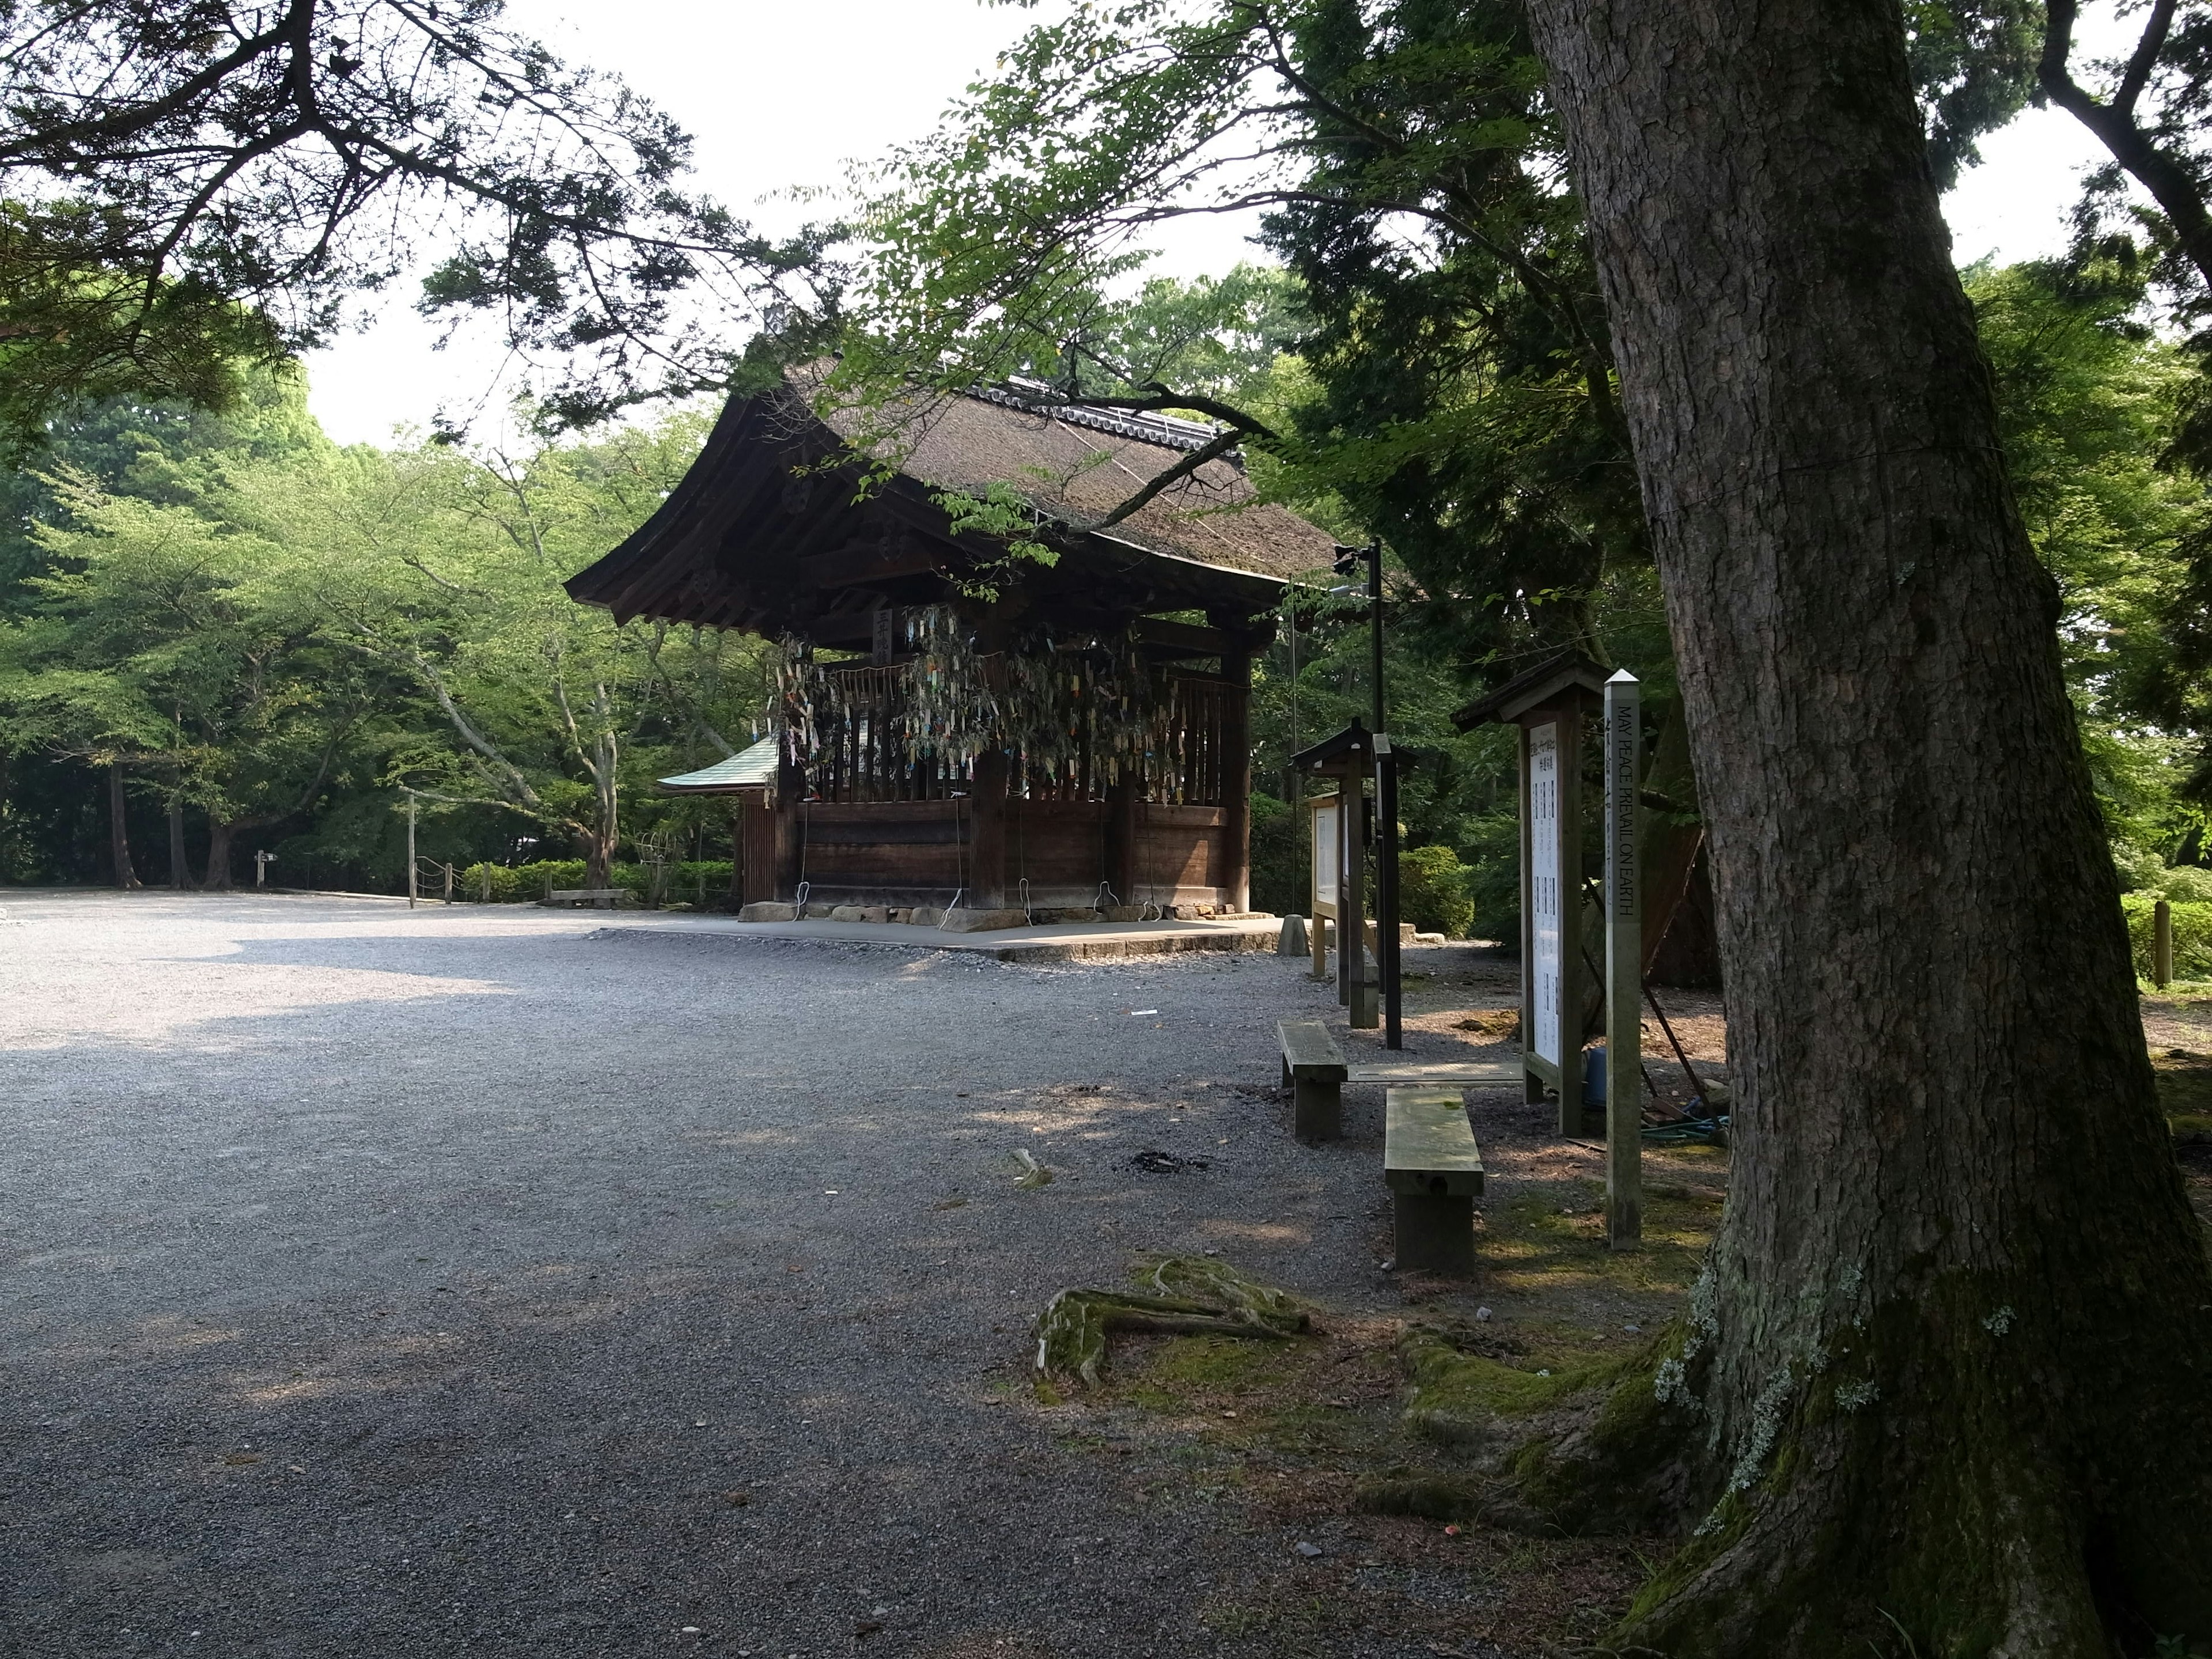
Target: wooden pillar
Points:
(1121, 872)
(757, 854)
(1235, 881)
(788, 833)
(1624, 969)
(986, 838)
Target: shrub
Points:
(525, 883)
(1433, 892)
(2186, 883)
(2139, 867)
(1492, 843)
(2192, 935)
(1280, 879)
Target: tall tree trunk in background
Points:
(1949, 1363)
(179, 877)
(119, 832)
(218, 857)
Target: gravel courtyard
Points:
(383, 1283)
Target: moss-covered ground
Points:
(1374, 1438)
(1365, 1438)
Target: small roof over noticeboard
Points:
(1354, 744)
(1533, 687)
(749, 769)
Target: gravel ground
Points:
(415, 1283)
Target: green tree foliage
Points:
(182, 180)
(179, 648)
(279, 634)
(446, 568)
(2089, 401)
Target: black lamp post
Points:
(1348, 560)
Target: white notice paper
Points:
(1543, 895)
(1327, 853)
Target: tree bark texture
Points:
(1948, 1363)
(119, 832)
(179, 876)
(218, 853)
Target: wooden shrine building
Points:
(955, 724)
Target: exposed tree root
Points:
(1188, 1295)
(1975, 1533)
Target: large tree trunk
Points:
(218, 857)
(180, 876)
(119, 832)
(1948, 1364)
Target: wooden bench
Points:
(1313, 1065)
(1434, 1171)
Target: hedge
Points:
(2192, 935)
(525, 883)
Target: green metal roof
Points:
(749, 768)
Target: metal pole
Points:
(1624, 971)
(1385, 891)
(410, 849)
(1386, 814)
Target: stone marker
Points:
(1291, 941)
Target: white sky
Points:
(781, 96)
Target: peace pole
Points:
(1624, 972)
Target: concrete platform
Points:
(1053, 942)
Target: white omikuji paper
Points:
(1544, 884)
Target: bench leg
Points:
(1318, 1114)
(1434, 1234)
(1286, 1073)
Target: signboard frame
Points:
(1324, 834)
(1543, 1074)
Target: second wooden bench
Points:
(1313, 1067)
(1434, 1171)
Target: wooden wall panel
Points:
(1180, 856)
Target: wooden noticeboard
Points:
(1550, 703)
(1326, 837)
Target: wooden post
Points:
(790, 853)
(986, 844)
(1120, 871)
(2161, 945)
(1236, 883)
(410, 849)
(1624, 971)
